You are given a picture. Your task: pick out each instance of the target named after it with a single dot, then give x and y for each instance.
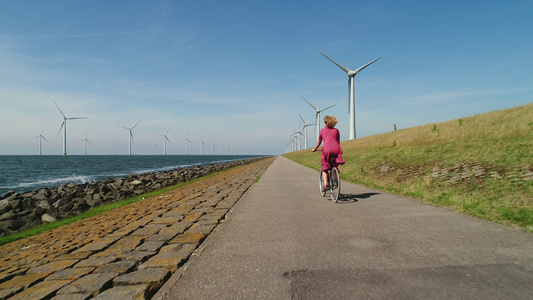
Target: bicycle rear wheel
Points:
(321, 184)
(335, 183)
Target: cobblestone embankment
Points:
(126, 253)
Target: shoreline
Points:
(26, 210)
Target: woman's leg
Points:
(325, 178)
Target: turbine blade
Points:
(338, 65)
(302, 118)
(60, 128)
(76, 118)
(368, 64)
(310, 104)
(136, 124)
(328, 107)
(59, 109)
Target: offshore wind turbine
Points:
(41, 137)
(165, 139)
(305, 127)
(351, 90)
(201, 143)
(317, 116)
(186, 140)
(116, 146)
(85, 141)
(64, 127)
(131, 133)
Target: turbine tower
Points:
(351, 90)
(41, 138)
(305, 127)
(131, 133)
(165, 139)
(317, 121)
(64, 127)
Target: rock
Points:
(7, 216)
(60, 203)
(9, 194)
(4, 204)
(11, 224)
(46, 218)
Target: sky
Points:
(233, 74)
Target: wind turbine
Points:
(165, 140)
(317, 118)
(41, 138)
(131, 133)
(186, 140)
(116, 144)
(351, 90)
(201, 143)
(64, 127)
(305, 127)
(85, 141)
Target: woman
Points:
(332, 147)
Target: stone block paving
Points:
(126, 253)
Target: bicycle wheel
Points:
(335, 184)
(321, 184)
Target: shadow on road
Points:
(352, 198)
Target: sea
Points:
(23, 173)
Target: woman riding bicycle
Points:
(331, 151)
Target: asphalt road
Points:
(283, 240)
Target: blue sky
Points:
(234, 73)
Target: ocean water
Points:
(27, 172)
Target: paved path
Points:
(282, 240)
(126, 253)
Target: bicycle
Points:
(334, 183)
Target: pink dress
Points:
(331, 138)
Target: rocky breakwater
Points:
(20, 211)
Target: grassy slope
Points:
(419, 162)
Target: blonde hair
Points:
(331, 121)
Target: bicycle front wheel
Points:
(335, 183)
(321, 184)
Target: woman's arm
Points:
(317, 144)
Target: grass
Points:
(96, 211)
(422, 162)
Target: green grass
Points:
(402, 162)
(96, 211)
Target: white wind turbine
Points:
(165, 139)
(351, 90)
(317, 117)
(85, 141)
(64, 127)
(41, 138)
(131, 133)
(116, 146)
(201, 143)
(305, 128)
(186, 140)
